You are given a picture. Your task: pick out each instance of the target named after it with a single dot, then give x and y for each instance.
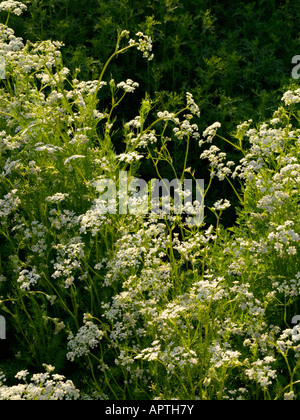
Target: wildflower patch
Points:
(124, 283)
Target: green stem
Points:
(115, 54)
(186, 158)
(6, 23)
(232, 144)
(208, 187)
(235, 191)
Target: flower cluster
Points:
(42, 386)
(216, 160)
(289, 340)
(93, 219)
(130, 157)
(8, 204)
(290, 98)
(145, 139)
(11, 6)
(68, 260)
(128, 86)
(223, 356)
(221, 205)
(11, 165)
(171, 358)
(191, 104)
(186, 129)
(210, 290)
(87, 338)
(210, 132)
(57, 198)
(28, 278)
(289, 287)
(144, 44)
(285, 239)
(261, 372)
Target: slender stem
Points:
(186, 157)
(208, 187)
(6, 23)
(115, 54)
(232, 144)
(236, 193)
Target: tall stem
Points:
(115, 54)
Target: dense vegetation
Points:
(233, 56)
(135, 306)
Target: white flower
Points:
(22, 374)
(222, 205)
(136, 123)
(2, 379)
(291, 250)
(41, 147)
(87, 88)
(73, 158)
(15, 7)
(9, 203)
(124, 34)
(10, 165)
(87, 338)
(92, 220)
(289, 396)
(57, 198)
(49, 368)
(129, 157)
(186, 129)
(166, 115)
(42, 386)
(128, 86)
(290, 98)
(68, 260)
(28, 278)
(145, 139)
(144, 44)
(216, 158)
(193, 107)
(211, 131)
(261, 372)
(222, 356)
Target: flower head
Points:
(221, 205)
(144, 44)
(128, 86)
(11, 6)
